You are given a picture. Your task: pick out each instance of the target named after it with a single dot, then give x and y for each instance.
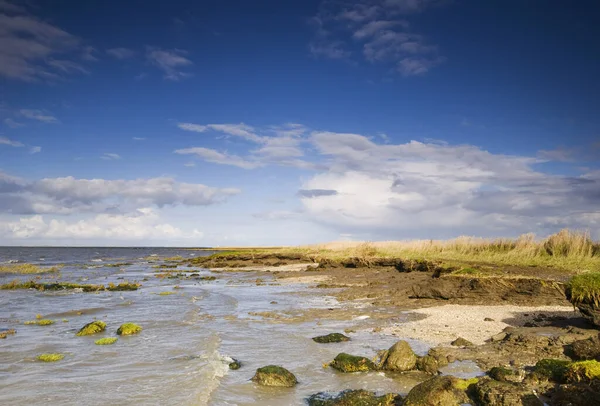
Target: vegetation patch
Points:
(6, 333)
(27, 268)
(123, 286)
(92, 328)
(50, 357)
(127, 329)
(584, 288)
(41, 322)
(551, 369)
(582, 371)
(106, 341)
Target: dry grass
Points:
(569, 250)
(27, 269)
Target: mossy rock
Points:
(352, 363)
(106, 341)
(551, 369)
(274, 375)
(428, 364)
(461, 342)
(437, 391)
(358, 397)
(50, 357)
(493, 393)
(582, 371)
(501, 374)
(235, 364)
(331, 338)
(400, 357)
(94, 327)
(577, 394)
(128, 329)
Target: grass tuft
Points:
(584, 288)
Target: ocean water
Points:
(188, 338)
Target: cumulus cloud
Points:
(142, 224)
(69, 195)
(171, 62)
(34, 50)
(379, 28)
(310, 193)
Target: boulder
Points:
(92, 328)
(493, 393)
(351, 363)
(358, 397)
(586, 349)
(331, 338)
(428, 364)
(501, 374)
(461, 342)
(235, 364)
(128, 329)
(400, 357)
(437, 391)
(274, 375)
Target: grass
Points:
(27, 269)
(584, 288)
(567, 250)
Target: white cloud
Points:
(139, 138)
(9, 122)
(417, 66)
(38, 115)
(142, 224)
(170, 62)
(30, 48)
(35, 150)
(211, 155)
(109, 156)
(12, 143)
(121, 53)
(189, 164)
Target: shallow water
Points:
(181, 357)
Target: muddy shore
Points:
(508, 317)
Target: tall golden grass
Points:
(567, 249)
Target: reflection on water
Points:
(182, 355)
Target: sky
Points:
(215, 123)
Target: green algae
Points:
(331, 338)
(274, 375)
(92, 328)
(582, 371)
(106, 341)
(42, 322)
(357, 397)
(351, 363)
(50, 357)
(127, 329)
(551, 369)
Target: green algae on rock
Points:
(331, 338)
(551, 369)
(274, 375)
(428, 364)
(439, 391)
(124, 286)
(94, 327)
(106, 341)
(351, 363)
(42, 322)
(494, 393)
(582, 371)
(400, 357)
(50, 357)
(357, 397)
(500, 373)
(127, 329)
(235, 364)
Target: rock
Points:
(440, 356)
(582, 371)
(358, 397)
(331, 338)
(577, 395)
(274, 375)
(128, 329)
(428, 364)
(493, 393)
(351, 363)
(438, 391)
(501, 374)
(586, 349)
(461, 342)
(92, 328)
(499, 337)
(400, 357)
(488, 319)
(235, 364)
(551, 369)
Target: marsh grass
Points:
(27, 269)
(584, 288)
(568, 250)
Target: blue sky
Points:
(280, 122)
